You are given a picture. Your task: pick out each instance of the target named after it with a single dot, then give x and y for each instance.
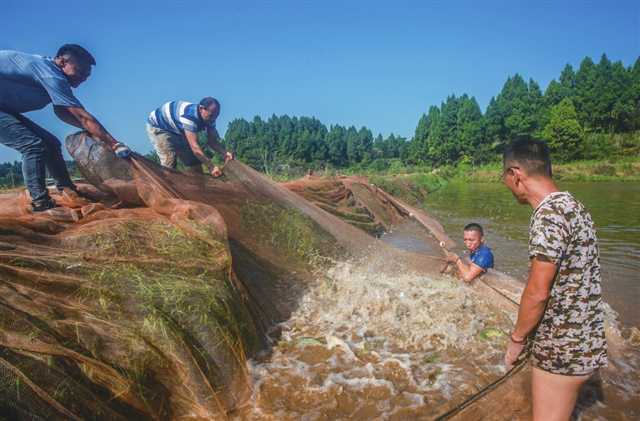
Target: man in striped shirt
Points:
(173, 129)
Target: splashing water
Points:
(365, 344)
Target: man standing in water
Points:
(480, 254)
(173, 130)
(30, 82)
(561, 309)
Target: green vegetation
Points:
(134, 300)
(413, 184)
(11, 173)
(412, 188)
(490, 334)
(592, 113)
(288, 230)
(191, 281)
(176, 284)
(623, 169)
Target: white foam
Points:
(397, 333)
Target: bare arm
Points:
(468, 272)
(532, 304)
(67, 117)
(213, 140)
(534, 297)
(81, 118)
(192, 139)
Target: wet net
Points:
(175, 296)
(147, 302)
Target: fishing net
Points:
(147, 302)
(150, 300)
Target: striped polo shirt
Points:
(178, 116)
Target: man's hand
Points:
(228, 156)
(79, 117)
(121, 150)
(513, 352)
(452, 257)
(216, 172)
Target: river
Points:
(614, 206)
(373, 338)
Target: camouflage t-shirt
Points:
(570, 337)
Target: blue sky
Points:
(378, 64)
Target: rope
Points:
(502, 294)
(484, 391)
(491, 386)
(447, 415)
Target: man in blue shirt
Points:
(173, 130)
(480, 255)
(30, 82)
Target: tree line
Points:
(592, 112)
(305, 141)
(577, 114)
(11, 173)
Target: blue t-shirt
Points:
(29, 82)
(482, 257)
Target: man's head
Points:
(524, 161)
(473, 236)
(75, 62)
(209, 109)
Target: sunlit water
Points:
(615, 207)
(366, 345)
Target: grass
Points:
(412, 188)
(623, 169)
(158, 283)
(189, 285)
(287, 230)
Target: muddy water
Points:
(366, 345)
(615, 207)
(363, 345)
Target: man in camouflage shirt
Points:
(561, 306)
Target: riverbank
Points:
(414, 183)
(625, 169)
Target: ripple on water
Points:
(364, 344)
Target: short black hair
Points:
(208, 101)
(77, 52)
(529, 153)
(474, 227)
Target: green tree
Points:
(417, 151)
(563, 132)
(621, 104)
(469, 131)
(635, 94)
(585, 93)
(557, 91)
(494, 129)
(442, 144)
(518, 109)
(337, 146)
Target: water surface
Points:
(614, 206)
